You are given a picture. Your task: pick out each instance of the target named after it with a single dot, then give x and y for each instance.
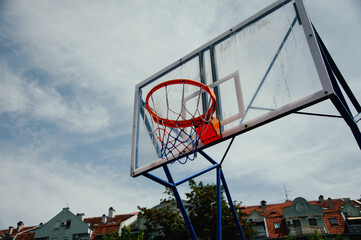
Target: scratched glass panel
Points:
(273, 60)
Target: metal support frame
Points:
(336, 80)
(219, 204)
(221, 181)
(338, 99)
(180, 203)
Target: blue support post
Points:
(220, 182)
(205, 155)
(339, 100)
(196, 174)
(180, 203)
(231, 205)
(157, 179)
(219, 205)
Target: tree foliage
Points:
(126, 234)
(316, 236)
(167, 222)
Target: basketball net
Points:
(178, 128)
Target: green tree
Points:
(165, 222)
(128, 235)
(125, 235)
(203, 212)
(113, 235)
(316, 236)
(247, 226)
(168, 222)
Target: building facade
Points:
(64, 226)
(301, 218)
(68, 226)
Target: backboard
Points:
(262, 69)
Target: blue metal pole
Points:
(231, 205)
(180, 203)
(196, 174)
(219, 205)
(207, 157)
(157, 179)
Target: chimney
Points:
(80, 216)
(20, 226)
(263, 205)
(321, 199)
(10, 232)
(330, 202)
(104, 219)
(111, 212)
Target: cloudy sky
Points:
(67, 75)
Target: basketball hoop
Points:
(179, 127)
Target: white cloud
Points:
(92, 54)
(40, 189)
(45, 103)
(11, 91)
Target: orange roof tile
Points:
(112, 224)
(273, 214)
(26, 233)
(26, 236)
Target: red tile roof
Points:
(274, 214)
(26, 233)
(116, 219)
(99, 228)
(26, 236)
(112, 224)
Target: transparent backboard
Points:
(262, 69)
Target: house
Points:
(111, 223)
(300, 218)
(64, 226)
(68, 226)
(18, 233)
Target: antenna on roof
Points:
(286, 192)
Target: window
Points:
(259, 227)
(277, 225)
(296, 223)
(57, 224)
(68, 222)
(312, 222)
(333, 221)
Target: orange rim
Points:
(182, 123)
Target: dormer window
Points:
(277, 225)
(333, 221)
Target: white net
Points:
(178, 118)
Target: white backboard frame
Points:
(323, 93)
